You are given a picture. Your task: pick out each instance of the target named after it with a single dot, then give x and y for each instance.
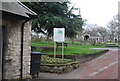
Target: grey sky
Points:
(98, 12)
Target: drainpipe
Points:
(22, 41)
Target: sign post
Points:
(59, 36)
(62, 50)
(54, 49)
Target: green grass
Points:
(72, 49)
(76, 48)
(67, 51)
(75, 42)
(114, 43)
(90, 46)
(39, 44)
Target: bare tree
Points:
(114, 28)
(102, 30)
(90, 27)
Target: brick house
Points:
(15, 36)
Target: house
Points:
(92, 36)
(15, 36)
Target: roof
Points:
(94, 34)
(17, 8)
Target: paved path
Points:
(103, 67)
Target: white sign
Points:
(59, 34)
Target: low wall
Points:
(89, 56)
(76, 56)
(59, 68)
(71, 56)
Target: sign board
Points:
(59, 34)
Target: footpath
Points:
(103, 67)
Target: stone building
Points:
(15, 36)
(91, 36)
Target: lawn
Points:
(49, 49)
(83, 52)
(42, 44)
(76, 45)
(114, 43)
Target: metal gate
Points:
(1, 45)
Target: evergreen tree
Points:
(54, 15)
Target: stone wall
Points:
(27, 49)
(1, 42)
(12, 48)
(59, 68)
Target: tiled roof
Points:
(17, 8)
(93, 34)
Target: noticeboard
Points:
(59, 34)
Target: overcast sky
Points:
(98, 12)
